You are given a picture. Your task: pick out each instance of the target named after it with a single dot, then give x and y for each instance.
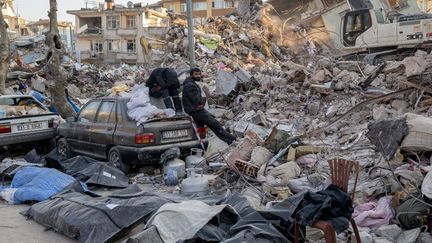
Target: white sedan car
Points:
(24, 121)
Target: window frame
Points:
(96, 46)
(199, 6)
(98, 102)
(96, 120)
(183, 7)
(113, 19)
(131, 21)
(134, 45)
(110, 43)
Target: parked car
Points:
(103, 130)
(25, 121)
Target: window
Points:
(200, 6)
(114, 116)
(105, 111)
(131, 46)
(113, 22)
(96, 46)
(87, 115)
(131, 21)
(171, 7)
(355, 23)
(113, 45)
(183, 7)
(379, 16)
(229, 4)
(218, 4)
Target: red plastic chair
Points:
(341, 170)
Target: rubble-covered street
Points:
(320, 141)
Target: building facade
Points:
(17, 24)
(112, 34)
(202, 9)
(66, 31)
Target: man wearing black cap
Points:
(193, 103)
(163, 82)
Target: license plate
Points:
(29, 126)
(175, 134)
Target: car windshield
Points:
(20, 107)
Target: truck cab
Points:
(368, 29)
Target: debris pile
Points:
(291, 117)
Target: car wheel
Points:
(114, 157)
(63, 148)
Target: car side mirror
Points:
(71, 119)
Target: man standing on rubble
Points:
(163, 82)
(194, 105)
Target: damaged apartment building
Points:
(202, 9)
(113, 33)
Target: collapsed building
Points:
(292, 114)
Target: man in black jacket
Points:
(163, 82)
(193, 103)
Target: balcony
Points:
(127, 55)
(127, 32)
(90, 55)
(95, 31)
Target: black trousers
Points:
(158, 92)
(204, 117)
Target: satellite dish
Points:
(130, 4)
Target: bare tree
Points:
(58, 75)
(4, 50)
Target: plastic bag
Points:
(142, 114)
(139, 99)
(8, 195)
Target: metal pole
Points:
(191, 34)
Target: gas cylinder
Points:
(195, 158)
(195, 184)
(174, 171)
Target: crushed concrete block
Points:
(39, 84)
(260, 155)
(331, 111)
(287, 171)
(243, 151)
(414, 65)
(325, 88)
(314, 108)
(243, 75)
(379, 113)
(309, 149)
(399, 104)
(74, 91)
(277, 138)
(291, 154)
(226, 82)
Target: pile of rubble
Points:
(293, 115)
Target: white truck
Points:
(25, 121)
(368, 29)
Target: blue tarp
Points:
(38, 184)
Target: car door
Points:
(80, 135)
(104, 126)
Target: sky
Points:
(38, 9)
